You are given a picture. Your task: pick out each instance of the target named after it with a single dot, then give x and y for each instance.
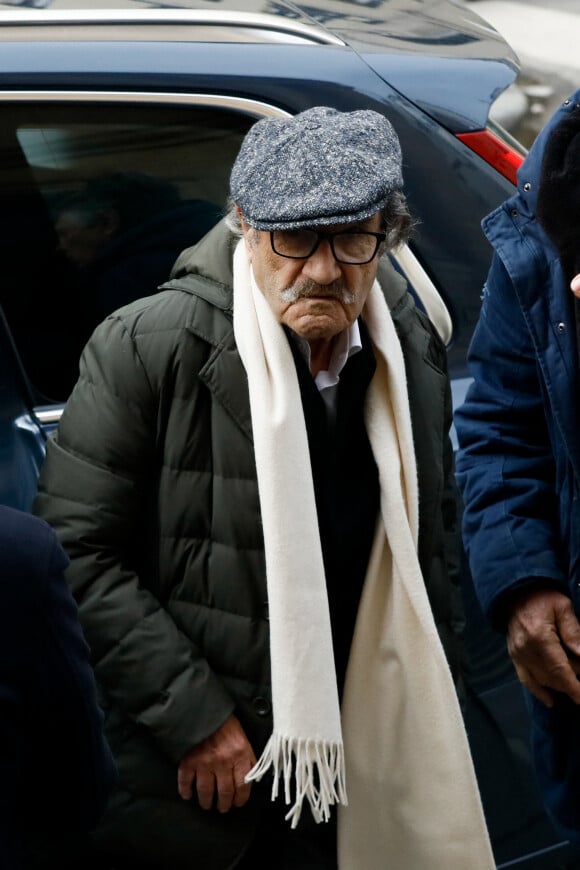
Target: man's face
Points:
(82, 239)
(317, 297)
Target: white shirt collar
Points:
(345, 345)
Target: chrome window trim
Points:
(405, 259)
(46, 415)
(254, 20)
(241, 104)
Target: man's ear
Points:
(246, 230)
(245, 227)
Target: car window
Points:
(96, 202)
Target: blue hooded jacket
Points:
(518, 463)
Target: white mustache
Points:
(307, 290)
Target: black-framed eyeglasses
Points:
(354, 248)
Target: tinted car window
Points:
(97, 202)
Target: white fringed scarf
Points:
(400, 744)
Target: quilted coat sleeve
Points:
(505, 466)
(95, 486)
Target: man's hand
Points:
(543, 639)
(219, 765)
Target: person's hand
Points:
(543, 639)
(219, 765)
(575, 286)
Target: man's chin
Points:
(317, 327)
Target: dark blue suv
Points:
(118, 132)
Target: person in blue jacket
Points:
(56, 768)
(518, 463)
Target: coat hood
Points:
(206, 258)
(528, 176)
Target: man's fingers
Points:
(233, 790)
(569, 631)
(230, 787)
(185, 776)
(205, 784)
(226, 790)
(187, 772)
(243, 788)
(538, 691)
(219, 765)
(552, 671)
(543, 634)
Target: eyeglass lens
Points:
(355, 248)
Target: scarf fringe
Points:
(315, 766)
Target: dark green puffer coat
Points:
(151, 485)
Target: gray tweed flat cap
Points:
(316, 168)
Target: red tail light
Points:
(499, 154)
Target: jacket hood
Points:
(206, 258)
(528, 175)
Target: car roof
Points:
(443, 58)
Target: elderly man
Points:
(253, 480)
